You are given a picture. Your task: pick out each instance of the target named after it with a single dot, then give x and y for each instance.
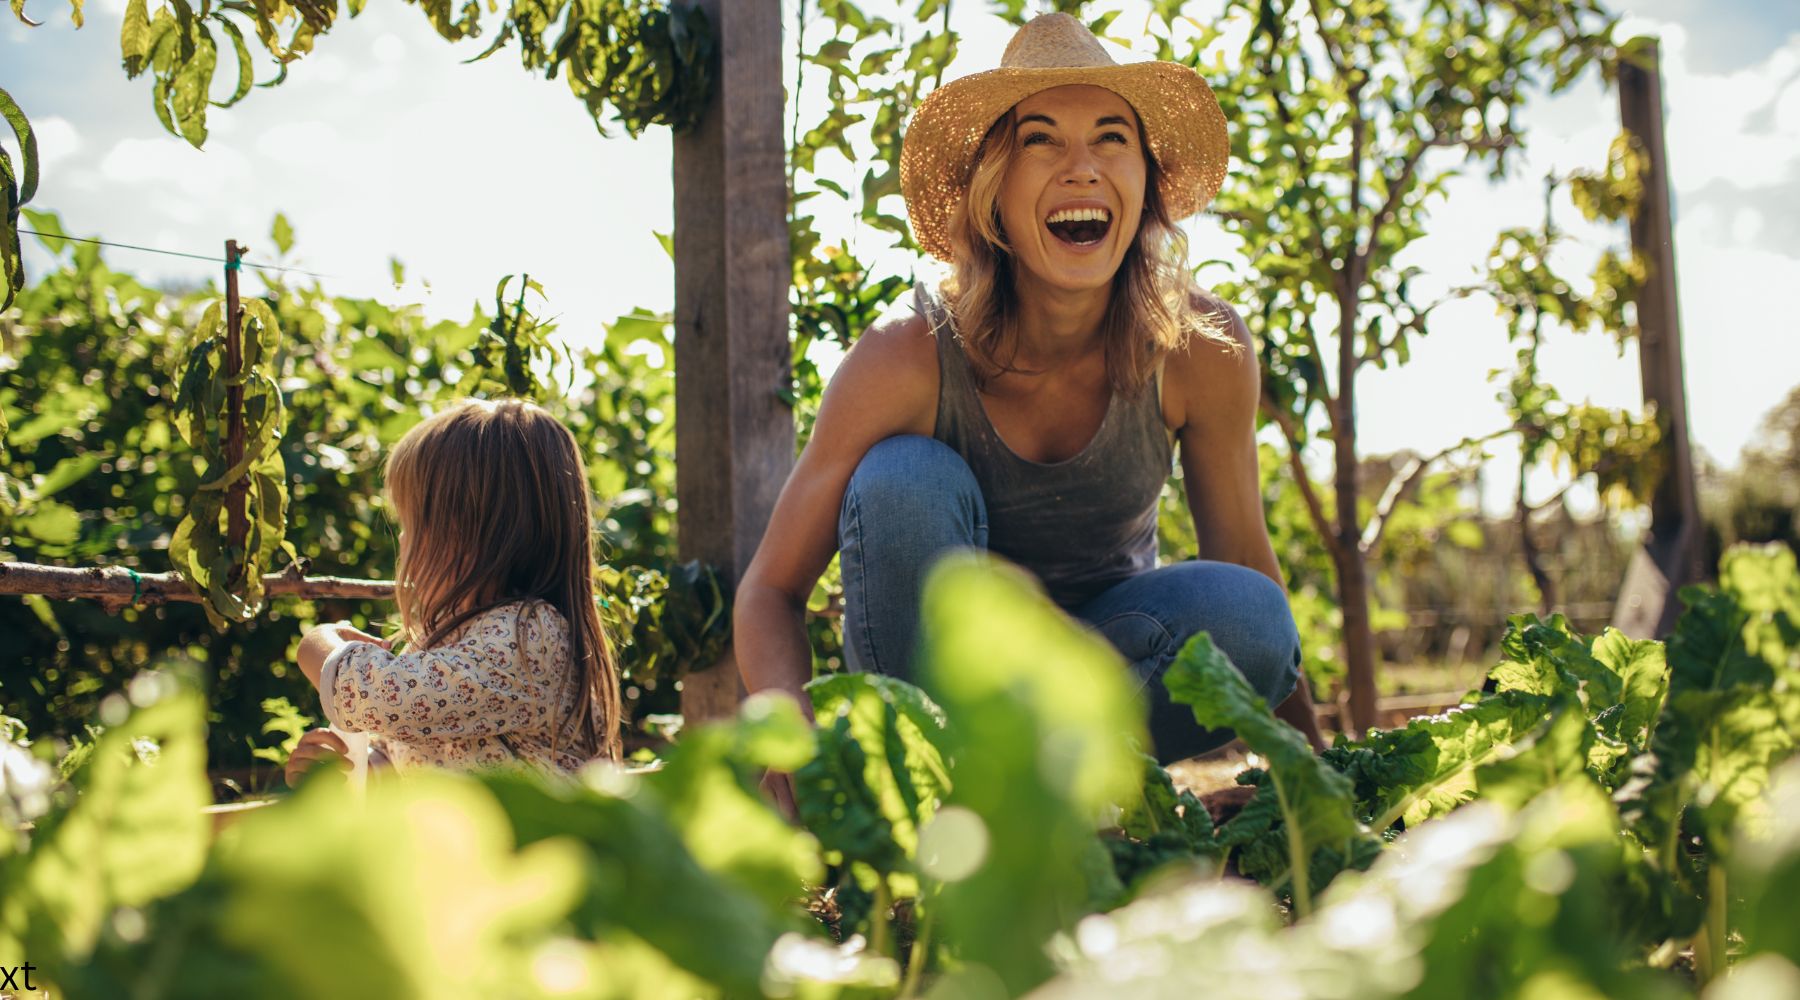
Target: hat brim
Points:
(1182, 123)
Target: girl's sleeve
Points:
(494, 680)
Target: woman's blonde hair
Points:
(1151, 311)
(493, 502)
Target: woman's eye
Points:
(1035, 138)
(1118, 137)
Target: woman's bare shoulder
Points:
(900, 334)
(895, 360)
(1218, 364)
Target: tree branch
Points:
(1331, 50)
(116, 587)
(1403, 481)
(1409, 168)
(1311, 340)
(1303, 480)
(1301, 160)
(1551, 499)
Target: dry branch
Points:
(117, 587)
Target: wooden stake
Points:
(734, 441)
(238, 494)
(1672, 556)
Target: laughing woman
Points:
(1032, 402)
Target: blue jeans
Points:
(913, 498)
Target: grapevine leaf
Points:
(246, 78)
(135, 38)
(282, 232)
(14, 193)
(28, 154)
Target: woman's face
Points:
(1073, 193)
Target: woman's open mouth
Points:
(1079, 227)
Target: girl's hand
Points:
(321, 641)
(319, 747)
(346, 632)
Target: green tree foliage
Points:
(1759, 501)
(1618, 450)
(1340, 115)
(646, 60)
(96, 473)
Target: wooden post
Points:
(734, 436)
(237, 496)
(1672, 556)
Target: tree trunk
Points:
(1359, 639)
(1534, 560)
(1352, 570)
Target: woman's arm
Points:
(886, 386)
(1214, 392)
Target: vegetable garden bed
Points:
(1616, 818)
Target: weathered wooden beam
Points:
(117, 586)
(1672, 556)
(734, 435)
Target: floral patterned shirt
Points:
(491, 693)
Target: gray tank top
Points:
(1079, 525)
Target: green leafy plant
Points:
(286, 721)
(16, 188)
(230, 410)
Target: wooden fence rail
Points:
(117, 587)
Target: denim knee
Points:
(910, 482)
(1274, 647)
(1248, 617)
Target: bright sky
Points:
(383, 144)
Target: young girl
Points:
(506, 660)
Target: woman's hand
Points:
(318, 748)
(321, 641)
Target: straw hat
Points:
(1182, 123)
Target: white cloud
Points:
(166, 160)
(313, 146)
(389, 48)
(57, 141)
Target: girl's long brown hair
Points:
(493, 503)
(1151, 311)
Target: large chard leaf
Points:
(1620, 681)
(1042, 724)
(415, 892)
(640, 882)
(1427, 768)
(1554, 755)
(708, 789)
(133, 832)
(1766, 869)
(880, 773)
(1643, 673)
(1728, 720)
(1732, 697)
(1481, 904)
(1314, 799)
(838, 804)
(1162, 827)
